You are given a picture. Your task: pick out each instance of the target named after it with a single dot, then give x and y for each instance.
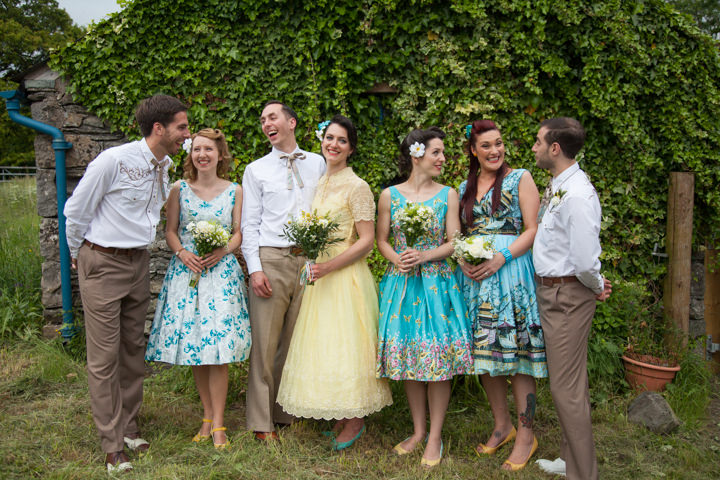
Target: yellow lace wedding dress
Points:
(330, 368)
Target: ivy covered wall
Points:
(640, 77)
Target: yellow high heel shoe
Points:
(431, 463)
(483, 449)
(519, 466)
(220, 446)
(201, 438)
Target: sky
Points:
(84, 11)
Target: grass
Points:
(48, 430)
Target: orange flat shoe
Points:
(483, 449)
(519, 466)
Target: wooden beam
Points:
(712, 297)
(678, 245)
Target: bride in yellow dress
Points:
(330, 368)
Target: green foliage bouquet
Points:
(207, 236)
(312, 233)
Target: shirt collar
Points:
(567, 173)
(278, 152)
(147, 153)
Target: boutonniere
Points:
(557, 197)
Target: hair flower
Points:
(320, 132)
(417, 150)
(187, 145)
(468, 129)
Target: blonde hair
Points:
(223, 165)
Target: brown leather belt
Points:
(112, 250)
(550, 281)
(297, 251)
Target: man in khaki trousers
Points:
(276, 188)
(111, 219)
(566, 255)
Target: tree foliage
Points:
(638, 75)
(29, 30)
(705, 12)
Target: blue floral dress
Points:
(424, 331)
(207, 325)
(507, 337)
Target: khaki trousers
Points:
(272, 321)
(566, 313)
(115, 291)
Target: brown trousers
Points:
(115, 291)
(566, 313)
(272, 321)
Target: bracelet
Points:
(506, 253)
(177, 254)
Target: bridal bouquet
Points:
(414, 221)
(207, 236)
(472, 250)
(312, 233)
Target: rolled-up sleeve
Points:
(251, 216)
(81, 206)
(584, 240)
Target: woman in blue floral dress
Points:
(424, 333)
(206, 326)
(501, 205)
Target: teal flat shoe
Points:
(337, 446)
(329, 434)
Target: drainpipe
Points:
(12, 102)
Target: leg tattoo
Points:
(526, 417)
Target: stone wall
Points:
(51, 104)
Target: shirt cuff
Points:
(253, 265)
(593, 281)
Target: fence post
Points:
(679, 248)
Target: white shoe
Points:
(555, 467)
(138, 443)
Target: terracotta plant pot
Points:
(646, 376)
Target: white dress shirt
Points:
(117, 202)
(568, 238)
(268, 203)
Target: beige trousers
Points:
(272, 321)
(115, 291)
(566, 313)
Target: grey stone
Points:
(83, 151)
(44, 153)
(49, 239)
(50, 285)
(94, 122)
(651, 410)
(46, 193)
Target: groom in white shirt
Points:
(276, 188)
(566, 255)
(111, 218)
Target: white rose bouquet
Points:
(414, 221)
(207, 236)
(472, 250)
(312, 233)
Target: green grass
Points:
(48, 431)
(20, 260)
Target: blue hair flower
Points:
(320, 132)
(468, 129)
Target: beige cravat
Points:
(159, 171)
(292, 169)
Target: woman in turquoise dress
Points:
(424, 332)
(501, 205)
(205, 326)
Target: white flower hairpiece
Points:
(187, 145)
(417, 150)
(320, 132)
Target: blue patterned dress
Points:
(507, 337)
(207, 325)
(424, 332)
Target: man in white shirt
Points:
(566, 255)
(111, 217)
(276, 188)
